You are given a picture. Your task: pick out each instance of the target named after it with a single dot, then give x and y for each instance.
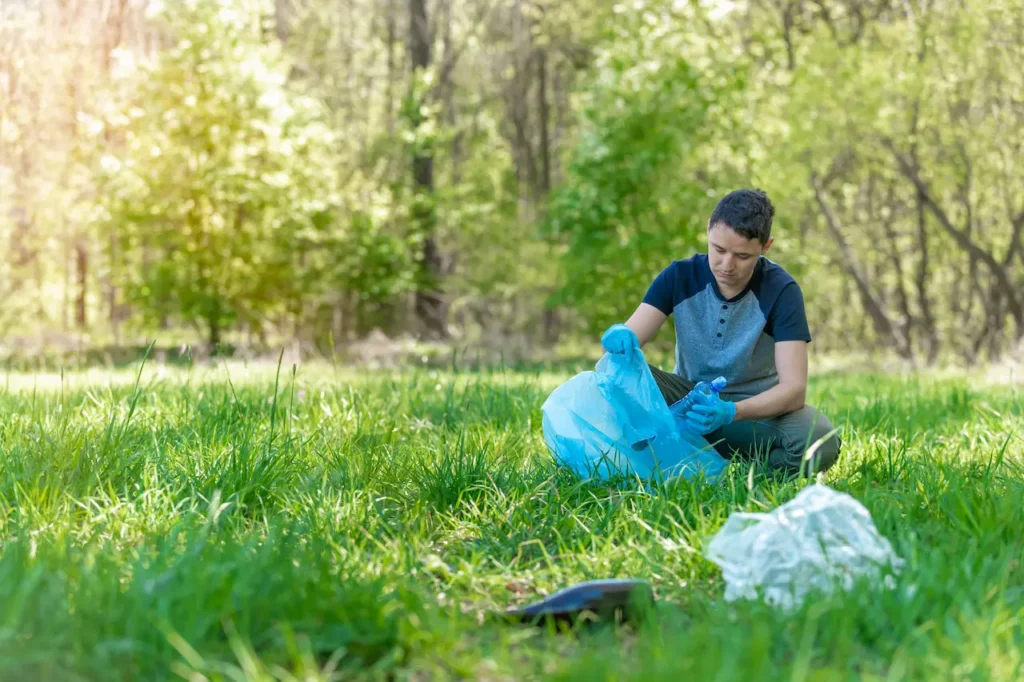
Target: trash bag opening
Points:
(614, 420)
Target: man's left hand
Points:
(710, 413)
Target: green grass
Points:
(234, 524)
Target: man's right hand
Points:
(710, 413)
(619, 339)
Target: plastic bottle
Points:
(715, 386)
(681, 407)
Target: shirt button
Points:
(725, 307)
(719, 334)
(722, 320)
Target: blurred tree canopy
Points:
(505, 171)
(221, 188)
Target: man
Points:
(741, 316)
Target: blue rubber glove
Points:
(709, 413)
(619, 339)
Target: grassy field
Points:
(227, 523)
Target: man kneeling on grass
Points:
(741, 316)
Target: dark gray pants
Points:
(781, 441)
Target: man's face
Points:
(732, 256)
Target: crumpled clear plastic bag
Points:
(820, 540)
(614, 420)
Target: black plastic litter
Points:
(620, 600)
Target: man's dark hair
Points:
(748, 211)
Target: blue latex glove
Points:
(619, 339)
(708, 413)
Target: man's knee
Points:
(825, 446)
(812, 445)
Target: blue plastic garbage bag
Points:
(614, 420)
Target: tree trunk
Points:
(113, 35)
(516, 102)
(282, 19)
(66, 300)
(552, 326)
(542, 113)
(214, 323)
(921, 279)
(82, 262)
(551, 321)
(883, 323)
(111, 291)
(895, 258)
(963, 237)
(448, 89)
(389, 93)
(562, 106)
(429, 301)
(552, 317)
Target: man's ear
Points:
(767, 245)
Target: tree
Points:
(429, 300)
(895, 123)
(225, 182)
(646, 170)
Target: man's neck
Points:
(734, 290)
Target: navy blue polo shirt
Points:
(736, 337)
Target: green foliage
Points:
(645, 171)
(261, 174)
(244, 523)
(224, 194)
(895, 119)
(930, 87)
(224, 177)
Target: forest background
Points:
(505, 175)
